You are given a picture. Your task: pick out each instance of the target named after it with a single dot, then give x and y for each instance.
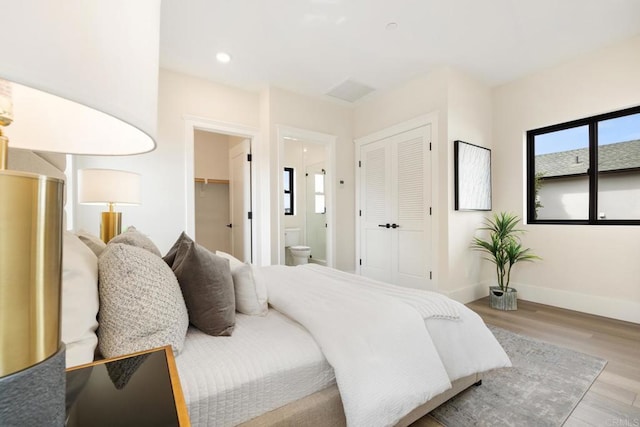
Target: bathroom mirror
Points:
(305, 219)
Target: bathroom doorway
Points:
(306, 220)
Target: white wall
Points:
(587, 268)
(299, 111)
(163, 212)
(463, 107)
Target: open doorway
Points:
(222, 193)
(306, 220)
(260, 247)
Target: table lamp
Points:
(110, 187)
(77, 77)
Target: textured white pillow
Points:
(79, 300)
(141, 305)
(251, 296)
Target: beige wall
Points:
(299, 111)
(463, 107)
(587, 268)
(211, 155)
(163, 212)
(593, 269)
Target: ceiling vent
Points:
(350, 91)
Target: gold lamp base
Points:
(30, 268)
(110, 226)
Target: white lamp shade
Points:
(100, 186)
(100, 54)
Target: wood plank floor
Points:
(614, 398)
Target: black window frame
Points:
(289, 193)
(592, 171)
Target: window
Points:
(586, 171)
(288, 191)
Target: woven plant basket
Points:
(501, 300)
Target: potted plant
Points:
(504, 249)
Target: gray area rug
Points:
(542, 388)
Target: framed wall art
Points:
(472, 177)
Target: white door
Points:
(395, 199)
(375, 211)
(240, 200)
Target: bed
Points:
(293, 362)
(273, 371)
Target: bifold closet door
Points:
(395, 195)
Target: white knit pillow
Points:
(141, 305)
(251, 295)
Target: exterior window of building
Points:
(586, 171)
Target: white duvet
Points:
(374, 336)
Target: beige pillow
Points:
(135, 238)
(141, 306)
(93, 242)
(251, 296)
(79, 300)
(207, 286)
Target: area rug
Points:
(542, 388)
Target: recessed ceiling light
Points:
(223, 57)
(391, 26)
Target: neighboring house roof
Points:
(618, 156)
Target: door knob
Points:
(387, 225)
(395, 225)
(230, 225)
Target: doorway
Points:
(222, 193)
(306, 164)
(256, 214)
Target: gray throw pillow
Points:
(93, 242)
(135, 238)
(207, 286)
(141, 305)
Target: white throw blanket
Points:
(430, 305)
(382, 354)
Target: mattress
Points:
(268, 362)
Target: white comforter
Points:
(373, 334)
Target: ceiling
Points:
(312, 46)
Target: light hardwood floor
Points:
(614, 398)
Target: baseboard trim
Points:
(469, 293)
(628, 311)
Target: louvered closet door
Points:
(375, 193)
(395, 189)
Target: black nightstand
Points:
(141, 389)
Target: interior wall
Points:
(463, 107)
(587, 268)
(422, 95)
(211, 155)
(211, 161)
(162, 214)
(470, 120)
(299, 111)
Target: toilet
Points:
(296, 254)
